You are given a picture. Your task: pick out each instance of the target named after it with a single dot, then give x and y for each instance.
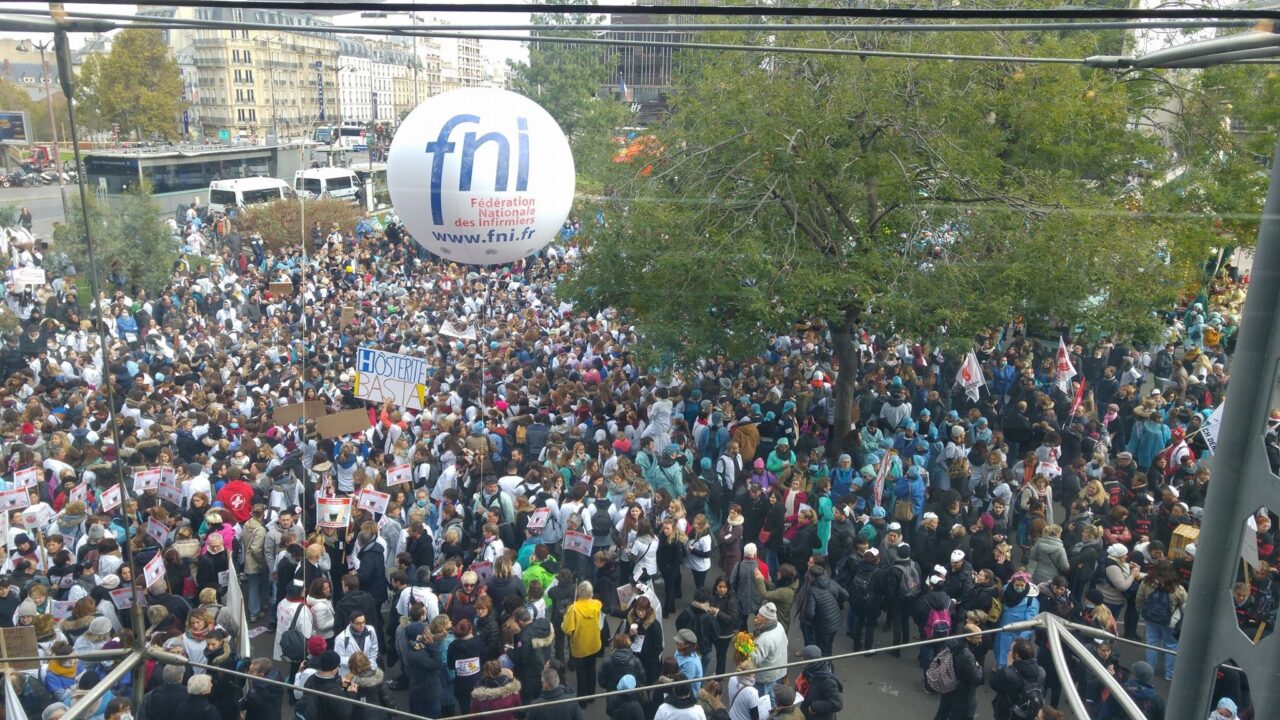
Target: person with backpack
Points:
(903, 587)
(1018, 684)
(823, 693)
(296, 623)
(1019, 602)
(1161, 600)
(932, 612)
(858, 579)
(955, 674)
(821, 608)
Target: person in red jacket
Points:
(237, 496)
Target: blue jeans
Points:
(1161, 636)
(259, 590)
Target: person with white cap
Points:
(771, 649)
(743, 583)
(864, 596)
(960, 576)
(1120, 585)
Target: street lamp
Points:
(53, 119)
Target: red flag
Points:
(1075, 403)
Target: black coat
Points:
(373, 572)
(318, 707)
(263, 700)
(824, 697)
(619, 662)
(198, 707)
(561, 711)
(1008, 683)
(161, 702)
(962, 703)
(823, 603)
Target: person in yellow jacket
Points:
(581, 625)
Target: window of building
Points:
(240, 114)
(248, 58)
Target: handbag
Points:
(293, 646)
(764, 536)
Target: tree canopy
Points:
(137, 86)
(928, 197)
(130, 236)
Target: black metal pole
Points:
(1241, 433)
(63, 54)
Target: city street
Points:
(43, 201)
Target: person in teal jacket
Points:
(780, 457)
(821, 501)
(1149, 437)
(668, 473)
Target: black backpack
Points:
(1029, 701)
(293, 646)
(601, 522)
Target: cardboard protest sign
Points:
(373, 501)
(281, 289)
(111, 498)
(333, 512)
(399, 474)
(577, 542)
(347, 317)
(146, 480)
(343, 423)
(21, 642)
(288, 414)
(26, 477)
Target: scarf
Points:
(1012, 596)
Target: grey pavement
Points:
(44, 203)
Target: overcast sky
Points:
(493, 48)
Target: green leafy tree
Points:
(130, 237)
(566, 81)
(927, 197)
(281, 223)
(137, 86)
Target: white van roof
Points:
(249, 183)
(323, 173)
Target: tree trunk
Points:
(846, 359)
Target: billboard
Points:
(13, 127)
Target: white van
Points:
(331, 182)
(242, 192)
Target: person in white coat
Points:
(356, 637)
(285, 612)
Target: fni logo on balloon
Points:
(481, 176)
(442, 146)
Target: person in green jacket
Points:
(781, 457)
(820, 499)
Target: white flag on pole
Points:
(1212, 425)
(1064, 369)
(235, 603)
(970, 376)
(12, 705)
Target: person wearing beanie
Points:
(626, 706)
(9, 601)
(326, 680)
(823, 693)
(60, 677)
(1138, 686)
(95, 637)
(785, 707)
(25, 614)
(902, 583)
(1225, 710)
(771, 649)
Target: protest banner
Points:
(577, 542)
(381, 376)
(21, 642)
(170, 493)
(168, 476)
(38, 517)
(483, 571)
(111, 498)
(26, 477)
(28, 277)
(373, 501)
(333, 512)
(538, 519)
(122, 598)
(281, 289)
(80, 492)
(288, 414)
(399, 474)
(61, 609)
(346, 317)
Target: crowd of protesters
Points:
(728, 526)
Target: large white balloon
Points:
(481, 176)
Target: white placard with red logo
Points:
(37, 517)
(80, 492)
(157, 530)
(483, 571)
(333, 512)
(168, 476)
(15, 499)
(373, 501)
(111, 498)
(399, 474)
(61, 609)
(146, 480)
(153, 571)
(26, 477)
(577, 542)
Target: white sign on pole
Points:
(157, 530)
(146, 480)
(28, 277)
(1212, 425)
(80, 492)
(15, 499)
(451, 330)
(333, 512)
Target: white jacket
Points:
(284, 618)
(771, 650)
(346, 646)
